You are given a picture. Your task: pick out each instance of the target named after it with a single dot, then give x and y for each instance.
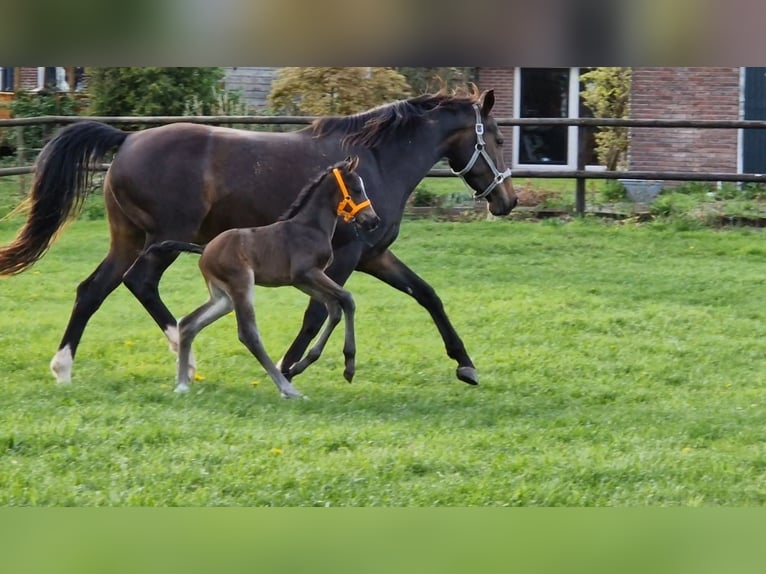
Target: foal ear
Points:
(353, 162)
(487, 100)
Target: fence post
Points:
(20, 158)
(580, 181)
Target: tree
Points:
(607, 93)
(153, 91)
(334, 91)
(428, 80)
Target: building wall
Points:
(253, 83)
(501, 81)
(684, 93)
(26, 78)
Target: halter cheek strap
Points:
(480, 151)
(347, 207)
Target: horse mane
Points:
(374, 126)
(307, 190)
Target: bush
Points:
(607, 94)
(695, 188)
(613, 191)
(424, 197)
(151, 91)
(32, 105)
(673, 205)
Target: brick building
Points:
(687, 94)
(663, 93)
(714, 93)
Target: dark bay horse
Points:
(294, 250)
(189, 182)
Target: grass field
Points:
(620, 365)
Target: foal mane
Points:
(308, 189)
(375, 126)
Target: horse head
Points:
(476, 155)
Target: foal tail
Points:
(61, 184)
(175, 246)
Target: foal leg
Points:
(188, 327)
(338, 302)
(344, 261)
(247, 330)
(143, 279)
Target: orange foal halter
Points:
(347, 207)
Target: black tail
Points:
(175, 246)
(61, 184)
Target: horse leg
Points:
(389, 269)
(126, 243)
(90, 295)
(338, 301)
(247, 331)
(189, 326)
(143, 279)
(344, 261)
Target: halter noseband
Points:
(479, 150)
(347, 207)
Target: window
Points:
(52, 78)
(546, 93)
(7, 79)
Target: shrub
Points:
(613, 191)
(424, 197)
(673, 204)
(150, 91)
(36, 104)
(606, 93)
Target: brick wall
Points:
(27, 78)
(500, 80)
(684, 93)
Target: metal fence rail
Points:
(580, 175)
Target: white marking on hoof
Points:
(172, 334)
(61, 365)
(182, 388)
(289, 392)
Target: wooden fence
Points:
(580, 175)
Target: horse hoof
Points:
(468, 375)
(181, 389)
(287, 373)
(61, 366)
(289, 392)
(348, 375)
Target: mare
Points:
(189, 182)
(292, 251)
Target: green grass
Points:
(620, 365)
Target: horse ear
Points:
(487, 100)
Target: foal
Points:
(294, 250)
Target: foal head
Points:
(354, 204)
(343, 188)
